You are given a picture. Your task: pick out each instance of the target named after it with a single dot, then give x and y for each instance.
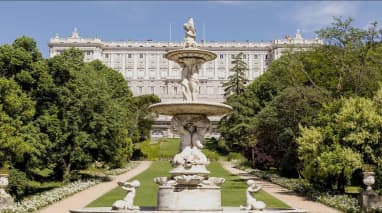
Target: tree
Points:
(16, 112)
(144, 119)
(237, 81)
(277, 125)
(352, 53)
(345, 136)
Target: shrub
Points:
(149, 150)
(236, 157)
(18, 184)
(211, 155)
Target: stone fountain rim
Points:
(174, 55)
(190, 107)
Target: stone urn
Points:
(5, 198)
(368, 180)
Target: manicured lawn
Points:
(233, 190)
(146, 193)
(168, 148)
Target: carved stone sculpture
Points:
(252, 203)
(5, 198)
(371, 201)
(190, 33)
(192, 129)
(190, 157)
(189, 81)
(128, 202)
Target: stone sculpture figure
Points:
(190, 34)
(189, 81)
(128, 202)
(5, 198)
(192, 130)
(252, 203)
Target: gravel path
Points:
(81, 199)
(287, 196)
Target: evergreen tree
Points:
(237, 81)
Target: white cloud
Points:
(315, 15)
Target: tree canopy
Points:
(313, 108)
(59, 115)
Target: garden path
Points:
(287, 196)
(81, 199)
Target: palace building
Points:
(147, 71)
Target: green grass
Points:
(233, 190)
(168, 148)
(146, 193)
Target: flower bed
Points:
(36, 202)
(303, 187)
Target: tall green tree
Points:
(351, 51)
(237, 80)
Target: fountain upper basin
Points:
(190, 53)
(191, 107)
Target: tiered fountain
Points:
(188, 186)
(189, 180)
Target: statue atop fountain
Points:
(190, 34)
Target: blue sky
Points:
(134, 20)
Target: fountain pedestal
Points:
(188, 187)
(189, 198)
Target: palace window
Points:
(152, 90)
(255, 56)
(175, 90)
(266, 56)
(107, 55)
(129, 55)
(141, 55)
(140, 89)
(221, 56)
(244, 56)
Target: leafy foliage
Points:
(346, 136)
(311, 113)
(61, 114)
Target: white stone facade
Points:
(146, 69)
